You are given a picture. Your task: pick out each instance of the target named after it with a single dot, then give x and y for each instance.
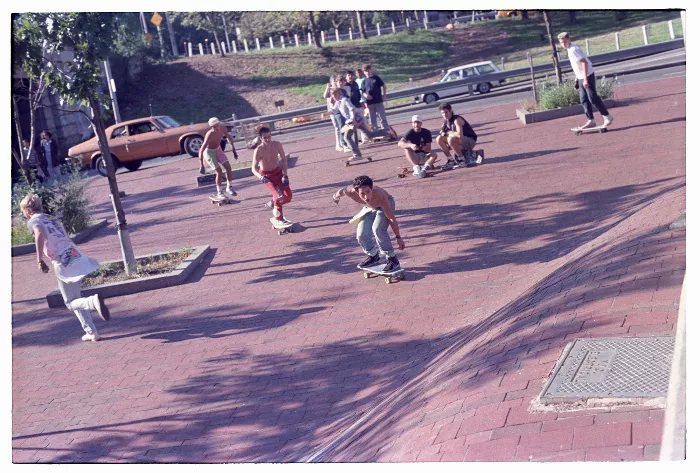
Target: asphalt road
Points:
(517, 93)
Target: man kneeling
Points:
(416, 145)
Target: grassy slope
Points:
(192, 89)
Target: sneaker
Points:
(270, 205)
(607, 120)
(338, 148)
(229, 190)
(101, 307)
(220, 195)
(276, 213)
(392, 264)
(471, 160)
(588, 124)
(450, 164)
(90, 337)
(459, 163)
(369, 261)
(356, 157)
(416, 171)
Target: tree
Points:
(524, 15)
(361, 24)
(88, 38)
(555, 58)
(207, 21)
(572, 16)
(314, 30)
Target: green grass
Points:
(21, 234)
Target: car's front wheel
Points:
(101, 166)
(430, 98)
(133, 165)
(484, 87)
(192, 145)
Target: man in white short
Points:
(585, 82)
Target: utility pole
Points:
(160, 41)
(171, 33)
(112, 91)
(228, 41)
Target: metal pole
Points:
(171, 33)
(282, 42)
(245, 45)
(644, 33)
(201, 50)
(337, 36)
(532, 75)
(393, 27)
(257, 43)
(112, 91)
(350, 31)
(379, 31)
(189, 49)
(160, 41)
(588, 51)
(617, 40)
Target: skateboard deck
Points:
(350, 161)
(388, 277)
(282, 227)
(381, 134)
(356, 219)
(220, 200)
(595, 129)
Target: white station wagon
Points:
(457, 74)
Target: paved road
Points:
(430, 111)
(276, 349)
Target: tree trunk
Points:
(314, 31)
(524, 15)
(24, 160)
(122, 229)
(160, 41)
(216, 36)
(555, 58)
(572, 16)
(361, 24)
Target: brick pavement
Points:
(278, 350)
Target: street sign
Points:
(156, 19)
(149, 38)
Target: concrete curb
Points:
(19, 250)
(536, 117)
(673, 440)
(173, 278)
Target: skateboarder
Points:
(351, 122)
(69, 264)
(211, 149)
(416, 145)
(372, 234)
(456, 135)
(266, 168)
(585, 82)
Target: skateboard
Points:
(282, 227)
(378, 135)
(220, 200)
(350, 161)
(595, 129)
(356, 219)
(397, 275)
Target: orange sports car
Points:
(131, 142)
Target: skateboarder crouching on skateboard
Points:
(265, 167)
(211, 149)
(456, 135)
(416, 145)
(69, 264)
(372, 227)
(585, 82)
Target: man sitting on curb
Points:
(456, 135)
(416, 145)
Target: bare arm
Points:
(256, 161)
(39, 239)
(584, 62)
(405, 144)
(283, 156)
(201, 148)
(459, 125)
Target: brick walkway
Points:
(278, 350)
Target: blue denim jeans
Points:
(372, 231)
(589, 98)
(337, 125)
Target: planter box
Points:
(209, 179)
(80, 237)
(174, 278)
(534, 117)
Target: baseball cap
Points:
(213, 121)
(416, 118)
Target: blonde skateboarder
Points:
(211, 150)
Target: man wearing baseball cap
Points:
(416, 145)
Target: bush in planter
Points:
(552, 95)
(66, 200)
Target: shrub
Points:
(66, 201)
(552, 95)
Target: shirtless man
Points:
(416, 146)
(211, 148)
(456, 135)
(265, 167)
(372, 227)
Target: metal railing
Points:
(596, 59)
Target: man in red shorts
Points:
(266, 168)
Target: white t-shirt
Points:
(69, 263)
(575, 56)
(347, 110)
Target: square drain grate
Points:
(613, 367)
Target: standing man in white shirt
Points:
(585, 82)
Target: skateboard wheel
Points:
(347, 164)
(366, 275)
(369, 159)
(387, 280)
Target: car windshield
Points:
(167, 122)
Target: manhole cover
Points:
(613, 367)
